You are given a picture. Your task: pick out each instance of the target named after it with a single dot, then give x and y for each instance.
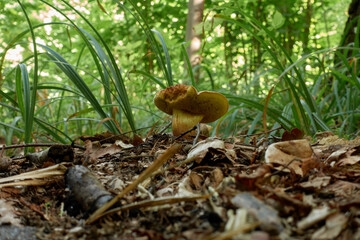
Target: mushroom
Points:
(189, 107)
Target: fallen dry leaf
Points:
(333, 226)
(293, 154)
(343, 188)
(7, 214)
(316, 183)
(315, 216)
(202, 148)
(266, 215)
(293, 135)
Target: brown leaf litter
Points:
(216, 189)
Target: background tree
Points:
(351, 31)
(194, 17)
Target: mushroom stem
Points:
(184, 121)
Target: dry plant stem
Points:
(197, 134)
(33, 178)
(170, 152)
(164, 128)
(155, 202)
(186, 161)
(41, 145)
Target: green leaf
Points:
(278, 20)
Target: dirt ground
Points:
(217, 189)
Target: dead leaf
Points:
(333, 227)
(216, 177)
(247, 182)
(196, 180)
(316, 215)
(343, 188)
(293, 154)
(211, 146)
(7, 214)
(4, 161)
(350, 157)
(136, 140)
(316, 183)
(106, 137)
(94, 150)
(266, 215)
(321, 135)
(293, 135)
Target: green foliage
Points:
(95, 66)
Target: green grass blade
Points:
(147, 30)
(29, 113)
(149, 76)
(52, 131)
(24, 99)
(167, 55)
(188, 64)
(111, 63)
(208, 73)
(300, 113)
(12, 127)
(274, 114)
(80, 84)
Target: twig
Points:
(184, 133)
(166, 127)
(256, 134)
(122, 134)
(197, 134)
(41, 145)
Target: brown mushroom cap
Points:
(212, 105)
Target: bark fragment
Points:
(86, 189)
(55, 154)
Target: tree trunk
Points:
(228, 53)
(350, 27)
(308, 17)
(150, 65)
(195, 16)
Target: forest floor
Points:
(217, 189)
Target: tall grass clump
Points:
(104, 71)
(323, 98)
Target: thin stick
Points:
(197, 134)
(184, 133)
(41, 145)
(257, 134)
(166, 127)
